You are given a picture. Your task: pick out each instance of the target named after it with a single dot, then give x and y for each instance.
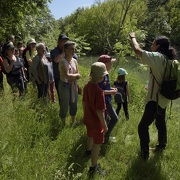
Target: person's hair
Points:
(164, 47)
(121, 78)
(39, 45)
(10, 37)
(69, 43)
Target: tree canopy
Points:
(101, 28)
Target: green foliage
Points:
(25, 19)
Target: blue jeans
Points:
(65, 103)
(113, 118)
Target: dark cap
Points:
(9, 45)
(63, 36)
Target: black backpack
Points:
(120, 96)
(170, 87)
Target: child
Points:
(108, 91)
(94, 107)
(123, 96)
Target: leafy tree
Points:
(24, 19)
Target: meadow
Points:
(34, 145)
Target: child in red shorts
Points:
(94, 106)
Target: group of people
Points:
(96, 100)
(59, 67)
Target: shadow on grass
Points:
(77, 160)
(146, 170)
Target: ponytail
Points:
(164, 47)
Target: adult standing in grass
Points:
(94, 107)
(30, 54)
(108, 91)
(68, 89)
(39, 67)
(14, 69)
(56, 55)
(155, 108)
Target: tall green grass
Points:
(34, 145)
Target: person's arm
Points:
(136, 47)
(112, 91)
(68, 76)
(100, 114)
(55, 56)
(58, 58)
(28, 58)
(8, 67)
(128, 93)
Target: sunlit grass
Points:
(34, 145)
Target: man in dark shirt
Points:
(56, 55)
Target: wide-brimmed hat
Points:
(31, 41)
(122, 71)
(98, 69)
(106, 58)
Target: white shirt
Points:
(156, 61)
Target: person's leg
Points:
(73, 108)
(52, 92)
(1, 83)
(20, 86)
(98, 139)
(118, 108)
(56, 82)
(143, 127)
(95, 154)
(161, 127)
(45, 90)
(125, 108)
(113, 118)
(40, 90)
(64, 91)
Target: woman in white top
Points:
(155, 104)
(30, 54)
(68, 90)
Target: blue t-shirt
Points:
(105, 85)
(54, 53)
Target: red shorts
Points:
(96, 134)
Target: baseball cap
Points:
(106, 58)
(98, 69)
(63, 36)
(122, 71)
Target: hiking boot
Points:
(159, 148)
(97, 169)
(144, 154)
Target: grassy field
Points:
(33, 145)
